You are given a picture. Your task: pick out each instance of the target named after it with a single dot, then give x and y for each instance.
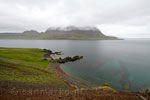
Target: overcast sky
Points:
(122, 18)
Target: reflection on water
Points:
(124, 64)
(125, 76)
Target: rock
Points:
(48, 54)
(145, 89)
(70, 59)
(57, 53)
(142, 98)
(47, 51)
(106, 84)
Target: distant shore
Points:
(44, 36)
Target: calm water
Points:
(124, 64)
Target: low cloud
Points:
(128, 18)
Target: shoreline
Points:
(65, 77)
(55, 66)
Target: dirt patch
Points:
(28, 86)
(70, 95)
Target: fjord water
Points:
(124, 64)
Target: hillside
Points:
(24, 68)
(60, 33)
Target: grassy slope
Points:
(24, 68)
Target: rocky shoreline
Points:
(68, 79)
(55, 66)
(49, 54)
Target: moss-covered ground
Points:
(24, 68)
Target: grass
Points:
(25, 66)
(106, 88)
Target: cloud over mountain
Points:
(128, 18)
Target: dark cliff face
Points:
(72, 30)
(30, 32)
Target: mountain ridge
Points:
(61, 33)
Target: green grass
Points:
(25, 65)
(106, 88)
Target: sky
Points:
(121, 18)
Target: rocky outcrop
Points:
(69, 59)
(48, 56)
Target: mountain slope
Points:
(73, 30)
(24, 68)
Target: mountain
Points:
(73, 32)
(61, 33)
